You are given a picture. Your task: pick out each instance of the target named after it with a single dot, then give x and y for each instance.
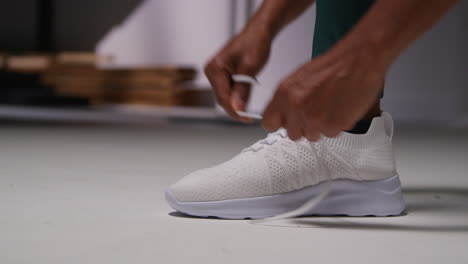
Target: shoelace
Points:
(271, 139)
(312, 202)
(308, 206)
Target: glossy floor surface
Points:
(94, 194)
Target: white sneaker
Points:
(277, 175)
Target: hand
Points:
(245, 54)
(327, 95)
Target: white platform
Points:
(94, 194)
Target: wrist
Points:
(261, 31)
(263, 25)
(381, 45)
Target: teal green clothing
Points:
(334, 20)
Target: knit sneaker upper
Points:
(278, 165)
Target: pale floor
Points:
(94, 194)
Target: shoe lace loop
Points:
(271, 139)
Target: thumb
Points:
(240, 96)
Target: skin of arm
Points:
(331, 93)
(248, 52)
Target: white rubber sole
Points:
(346, 197)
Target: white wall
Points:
(429, 81)
(170, 32)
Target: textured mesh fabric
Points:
(244, 176)
(278, 165)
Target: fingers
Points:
(272, 117)
(239, 98)
(301, 114)
(220, 79)
(242, 88)
(294, 126)
(325, 96)
(277, 116)
(318, 114)
(311, 130)
(232, 96)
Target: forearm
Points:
(391, 26)
(274, 15)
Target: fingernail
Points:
(247, 120)
(237, 106)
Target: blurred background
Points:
(106, 57)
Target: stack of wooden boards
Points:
(76, 74)
(20, 84)
(162, 86)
